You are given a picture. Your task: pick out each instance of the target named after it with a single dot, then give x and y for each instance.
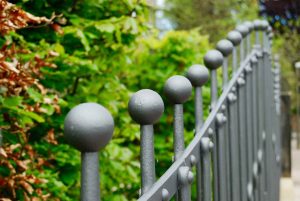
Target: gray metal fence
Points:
(235, 151)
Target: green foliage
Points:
(99, 51)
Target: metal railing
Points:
(236, 150)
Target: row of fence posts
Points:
(239, 143)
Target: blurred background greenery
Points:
(101, 51)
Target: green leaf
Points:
(12, 101)
(106, 27)
(35, 95)
(32, 115)
(83, 40)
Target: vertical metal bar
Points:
(225, 73)
(198, 76)
(234, 60)
(221, 156)
(178, 89)
(233, 138)
(178, 130)
(213, 88)
(147, 157)
(206, 145)
(242, 141)
(146, 113)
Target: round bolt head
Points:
(253, 60)
(213, 59)
(250, 25)
(88, 127)
(225, 47)
(235, 37)
(165, 194)
(243, 30)
(178, 89)
(146, 107)
(198, 75)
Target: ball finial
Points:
(235, 37)
(225, 47)
(198, 75)
(146, 107)
(250, 25)
(88, 127)
(243, 30)
(213, 59)
(257, 24)
(178, 89)
(264, 24)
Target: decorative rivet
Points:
(231, 97)
(190, 177)
(220, 119)
(193, 160)
(235, 37)
(233, 89)
(184, 175)
(146, 107)
(253, 60)
(211, 145)
(198, 75)
(264, 136)
(88, 127)
(278, 159)
(223, 108)
(250, 191)
(225, 47)
(165, 194)
(178, 89)
(213, 59)
(210, 132)
(204, 144)
(240, 81)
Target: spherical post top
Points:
(257, 24)
(213, 59)
(269, 30)
(146, 107)
(235, 37)
(88, 127)
(250, 25)
(198, 75)
(225, 47)
(178, 89)
(243, 30)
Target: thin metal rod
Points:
(225, 72)
(147, 158)
(213, 88)
(178, 131)
(205, 170)
(90, 179)
(198, 124)
(234, 60)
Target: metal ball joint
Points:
(198, 75)
(146, 107)
(193, 160)
(220, 119)
(225, 47)
(206, 144)
(213, 59)
(185, 176)
(165, 194)
(231, 97)
(243, 30)
(240, 81)
(178, 89)
(253, 60)
(88, 127)
(235, 37)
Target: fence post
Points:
(146, 107)
(89, 127)
(178, 89)
(244, 32)
(235, 37)
(198, 76)
(213, 59)
(250, 28)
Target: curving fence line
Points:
(235, 151)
